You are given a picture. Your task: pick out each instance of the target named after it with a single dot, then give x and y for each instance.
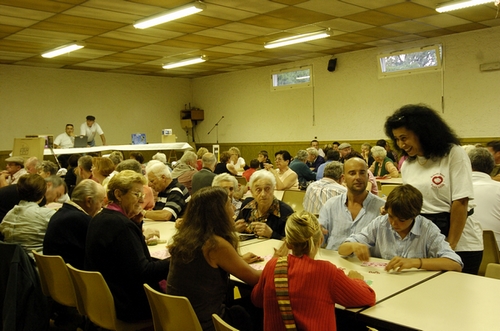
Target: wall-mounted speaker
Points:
(332, 63)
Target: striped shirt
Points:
(318, 192)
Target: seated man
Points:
(185, 169)
(84, 169)
(314, 160)
(331, 155)
(320, 191)
(486, 191)
(66, 139)
(172, 196)
(349, 212)
(47, 168)
(404, 237)
(14, 170)
(344, 150)
(205, 176)
(299, 166)
(315, 144)
(67, 228)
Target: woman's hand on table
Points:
(251, 258)
(261, 229)
(178, 223)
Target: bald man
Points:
(349, 212)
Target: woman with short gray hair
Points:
(383, 165)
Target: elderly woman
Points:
(285, 177)
(27, 222)
(116, 247)
(47, 168)
(263, 214)
(204, 253)
(102, 167)
(225, 165)
(383, 165)
(236, 159)
(230, 184)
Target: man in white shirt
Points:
(90, 129)
(14, 170)
(486, 191)
(66, 139)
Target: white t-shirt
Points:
(64, 141)
(90, 132)
(441, 182)
(487, 197)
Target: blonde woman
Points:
(313, 286)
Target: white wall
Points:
(352, 102)
(42, 101)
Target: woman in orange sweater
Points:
(311, 286)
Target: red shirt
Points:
(314, 287)
(248, 173)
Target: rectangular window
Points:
(410, 61)
(291, 78)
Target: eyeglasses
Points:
(138, 195)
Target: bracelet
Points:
(420, 266)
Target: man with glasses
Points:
(172, 196)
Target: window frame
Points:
(274, 74)
(438, 48)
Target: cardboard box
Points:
(28, 147)
(171, 138)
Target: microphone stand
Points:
(216, 126)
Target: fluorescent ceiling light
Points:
(183, 63)
(62, 50)
(299, 39)
(170, 15)
(459, 4)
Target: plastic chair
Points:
(221, 325)
(387, 189)
(493, 270)
(98, 301)
(55, 279)
(490, 252)
(171, 312)
(294, 199)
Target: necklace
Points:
(422, 164)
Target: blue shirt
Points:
(321, 170)
(337, 219)
(423, 241)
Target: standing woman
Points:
(313, 286)
(204, 253)
(440, 169)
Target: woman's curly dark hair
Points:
(435, 136)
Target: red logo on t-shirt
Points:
(437, 180)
